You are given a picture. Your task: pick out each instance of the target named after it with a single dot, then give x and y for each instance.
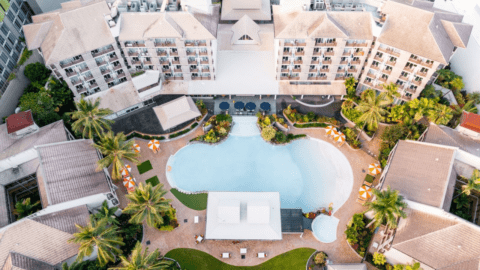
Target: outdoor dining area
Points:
(336, 135)
(365, 193)
(243, 254)
(242, 108)
(199, 239)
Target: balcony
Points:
(387, 71)
(196, 78)
(297, 70)
(371, 75)
(177, 78)
(320, 44)
(382, 79)
(206, 78)
(424, 63)
(81, 70)
(356, 44)
(161, 53)
(329, 53)
(298, 62)
(190, 62)
(292, 78)
(205, 70)
(417, 61)
(375, 67)
(317, 53)
(423, 74)
(81, 90)
(106, 71)
(114, 58)
(327, 62)
(392, 63)
(121, 75)
(368, 83)
(203, 62)
(194, 70)
(165, 44)
(136, 62)
(177, 70)
(355, 62)
(352, 70)
(93, 85)
(108, 80)
(165, 62)
(77, 82)
(417, 83)
(174, 53)
(331, 44)
(316, 62)
(405, 78)
(287, 53)
(378, 58)
(310, 70)
(135, 45)
(344, 62)
(412, 91)
(145, 62)
(362, 53)
(284, 78)
(317, 78)
(325, 70)
(58, 74)
(288, 44)
(72, 63)
(203, 53)
(88, 78)
(407, 68)
(300, 44)
(110, 49)
(117, 67)
(133, 53)
(202, 44)
(101, 63)
(346, 53)
(389, 51)
(191, 53)
(339, 78)
(166, 70)
(300, 53)
(406, 98)
(70, 74)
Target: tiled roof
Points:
(18, 121)
(19, 261)
(245, 26)
(446, 136)
(421, 172)
(69, 171)
(470, 121)
(52, 133)
(65, 220)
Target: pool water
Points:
(308, 173)
(325, 228)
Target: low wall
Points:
(362, 133)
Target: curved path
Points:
(183, 236)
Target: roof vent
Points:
(15, 169)
(436, 159)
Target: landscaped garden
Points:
(309, 119)
(270, 133)
(193, 201)
(199, 260)
(219, 125)
(317, 261)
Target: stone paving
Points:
(183, 236)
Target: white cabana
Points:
(176, 112)
(243, 216)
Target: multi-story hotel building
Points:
(415, 41)
(319, 45)
(79, 47)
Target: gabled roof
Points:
(69, 171)
(17, 261)
(245, 26)
(298, 23)
(18, 121)
(176, 112)
(470, 121)
(421, 172)
(75, 30)
(65, 220)
(420, 29)
(446, 136)
(258, 10)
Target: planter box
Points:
(362, 133)
(281, 127)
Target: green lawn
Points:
(144, 167)
(153, 181)
(192, 201)
(195, 259)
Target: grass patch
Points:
(321, 125)
(144, 167)
(199, 260)
(192, 201)
(152, 181)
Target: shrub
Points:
(379, 258)
(11, 76)
(322, 125)
(201, 104)
(311, 116)
(281, 120)
(37, 72)
(138, 73)
(268, 133)
(194, 125)
(280, 137)
(25, 55)
(224, 117)
(320, 258)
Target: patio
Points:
(245, 99)
(183, 236)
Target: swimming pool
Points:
(308, 174)
(325, 228)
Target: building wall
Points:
(43, 6)
(176, 58)
(93, 71)
(321, 60)
(379, 70)
(11, 30)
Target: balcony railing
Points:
(93, 85)
(177, 70)
(424, 63)
(77, 82)
(382, 79)
(386, 71)
(317, 53)
(409, 69)
(106, 71)
(405, 78)
(423, 74)
(88, 78)
(133, 53)
(145, 62)
(359, 53)
(325, 70)
(300, 53)
(166, 70)
(117, 67)
(72, 63)
(344, 62)
(310, 70)
(417, 61)
(297, 70)
(329, 53)
(355, 62)
(315, 62)
(353, 70)
(327, 62)
(192, 62)
(135, 45)
(165, 44)
(194, 70)
(339, 78)
(389, 51)
(107, 80)
(284, 70)
(316, 78)
(284, 78)
(203, 62)
(203, 53)
(285, 62)
(378, 58)
(375, 67)
(417, 82)
(356, 44)
(81, 70)
(161, 53)
(288, 43)
(346, 53)
(70, 74)
(101, 63)
(174, 53)
(331, 43)
(177, 78)
(190, 53)
(110, 49)
(298, 62)
(111, 59)
(371, 75)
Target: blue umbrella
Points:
(224, 106)
(265, 106)
(239, 105)
(250, 106)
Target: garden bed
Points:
(308, 120)
(221, 127)
(358, 236)
(317, 261)
(272, 134)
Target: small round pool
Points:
(325, 228)
(308, 173)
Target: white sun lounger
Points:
(225, 255)
(195, 219)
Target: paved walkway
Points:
(183, 236)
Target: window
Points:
(18, 47)
(24, 9)
(5, 75)
(18, 24)
(21, 16)
(4, 57)
(245, 37)
(10, 38)
(15, 56)
(4, 29)
(2, 40)
(404, 74)
(286, 49)
(14, 7)
(393, 59)
(11, 16)
(1, 68)
(312, 67)
(8, 47)
(10, 65)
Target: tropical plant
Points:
(144, 260)
(391, 91)
(440, 114)
(379, 258)
(457, 83)
(474, 96)
(387, 207)
(430, 92)
(348, 104)
(418, 108)
(89, 118)
(148, 204)
(320, 258)
(37, 72)
(108, 214)
(268, 133)
(413, 266)
(25, 208)
(473, 183)
(372, 109)
(97, 234)
(461, 201)
(350, 86)
(115, 149)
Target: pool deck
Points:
(183, 236)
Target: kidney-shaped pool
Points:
(308, 173)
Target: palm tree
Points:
(147, 203)
(474, 96)
(441, 114)
(391, 91)
(372, 108)
(388, 206)
(97, 234)
(115, 148)
(108, 214)
(25, 208)
(144, 260)
(89, 118)
(473, 183)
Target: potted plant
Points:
(330, 210)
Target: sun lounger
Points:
(195, 219)
(360, 201)
(261, 255)
(243, 251)
(225, 255)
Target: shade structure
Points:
(334, 133)
(154, 145)
(124, 171)
(136, 147)
(128, 182)
(330, 130)
(365, 192)
(339, 137)
(224, 105)
(250, 106)
(374, 169)
(239, 105)
(265, 106)
(128, 168)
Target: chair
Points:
(225, 255)
(361, 201)
(243, 251)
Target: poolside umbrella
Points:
(128, 168)
(239, 105)
(265, 106)
(154, 145)
(224, 106)
(128, 182)
(334, 133)
(124, 171)
(136, 147)
(374, 169)
(339, 137)
(250, 106)
(330, 130)
(365, 192)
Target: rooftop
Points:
(258, 10)
(18, 121)
(470, 121)
(450, 137)
(176, 112)
(118, 97)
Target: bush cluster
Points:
(310, 117)
(221, 126)
(357, 235)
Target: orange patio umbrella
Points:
(128, 168)
(374, 169)
(330, 130)
(136, 147)
(334, 133)
(154, 145)
(339, 137)
(128, 183)
(365, 192)
(124, 171)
